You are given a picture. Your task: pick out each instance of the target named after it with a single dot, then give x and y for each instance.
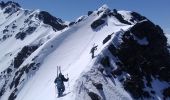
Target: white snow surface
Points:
(68, 48)
(71, 52)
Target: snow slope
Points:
(72, 54)
(34, 43)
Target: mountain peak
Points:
(47, 18)
(9, 3)
(131, 60)
(103, 8)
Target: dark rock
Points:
(94, 96)
(137, 17)
(22, 35)
(2, 4)
(90, 12)
(5, 31)
(142, 62)
(8, 10)
(6, 37)
(13, 95)
(121, 19)
(26, 68)
(30, 30)
(119, 64)
(98, 86)
(9, 70)
(30, 67)
(23, 54)
(146, 94)
(79, 20)
(105, 61)
(26, 20)
(115, 11)
(71, 23)
(166, 93)
(56, 23)
(135, 87)
(2, 90)
(112, 49)
(104, 16)
(97, 23)
(99, 12)
(10, 7)
(153, 92)
(117, 72)
(111, 14)
(17, 80)
(107, 39)
(101, 69)
(14, 26)
(13, 4)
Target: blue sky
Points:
(157, 11)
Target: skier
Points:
(93, 50)
(59, 81)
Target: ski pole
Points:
(60, 69)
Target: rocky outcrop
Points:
(9, 7)
(47, 18)
(144, 63)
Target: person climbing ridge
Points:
(94, 48)
(59, 82)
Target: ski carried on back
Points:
(59, 83)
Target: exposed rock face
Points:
(18, 24)
(23, 34)
(23, 54)
(97, 23)
(56, 23)
(9, 7)
(134, 59)
(105, 13)
(137, 17)
(13, 4)
(144, 63)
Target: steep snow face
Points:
(21, 33)
(71, 51)
(33, 43)
(134, 65)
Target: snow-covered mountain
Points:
(132, 60)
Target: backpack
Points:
(59, 82)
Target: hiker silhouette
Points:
(59, 81)
(94, 48)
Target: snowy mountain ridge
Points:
(33, 43)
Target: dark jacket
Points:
(60, 80)
(93, 49)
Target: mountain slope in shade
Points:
(33, 43)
